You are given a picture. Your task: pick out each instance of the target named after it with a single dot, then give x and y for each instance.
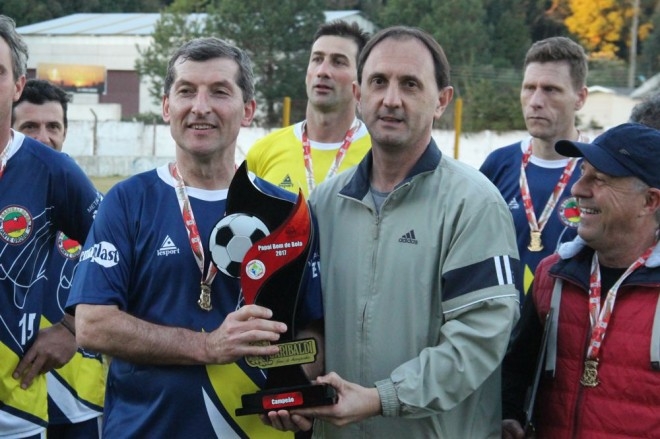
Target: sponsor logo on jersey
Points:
(69, 248)
(16, 225)
(167, 247)
(103, 253)
(513, 204)
(286, 183)
(409, 238)
(569, 212)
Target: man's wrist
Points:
(68, 326)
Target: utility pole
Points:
(633, 45)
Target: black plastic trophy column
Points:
(271, 275)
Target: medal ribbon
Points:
(600, 318)
(534, 225)
(191, 226)
(4, 156)
(341, 153)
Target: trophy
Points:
(266, 242)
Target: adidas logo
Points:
(513, 204)
(286, 182)
(409, 238)
(167, 248)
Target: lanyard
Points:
(4, 156)
(536, 227)
(599, 318)
(341, 153)
(194, 238)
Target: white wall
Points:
(126, 148)
(117, 52)
(606, 109)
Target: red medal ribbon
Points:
(600, 318)
(534, 225)
(191, 226)
(341, 153)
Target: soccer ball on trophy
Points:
(231, 238)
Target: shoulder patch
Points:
(569, 213)
(69, 248)
(16, 225)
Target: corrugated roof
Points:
(119, 24)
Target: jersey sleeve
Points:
(75, 190)
(103, 268)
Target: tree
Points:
(485, 42)
(545, 20)
(650, 57)
(603, 26)
(175, 26)
(460, 27)
(598, 24)
(278, 40)
(509, 32)
(494, 106)
(26, 12)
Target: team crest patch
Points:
(16, 225)
(569, 213)
(69, 248)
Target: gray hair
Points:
(204, 49)
(17, 47)
(647, 112)
(643, 187)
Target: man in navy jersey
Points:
(532, 177)
(75, 390)
(177, 369)
(41, 192)
(40, 113)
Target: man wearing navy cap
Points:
(601, 371)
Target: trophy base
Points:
(287, 398)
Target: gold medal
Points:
(535, 241)
(590, 374)
(204, 301)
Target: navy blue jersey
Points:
(502, 167)
(138, 257)
(41, 191)
(75, 390)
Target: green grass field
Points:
(103, 184)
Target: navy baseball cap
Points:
(627, 150)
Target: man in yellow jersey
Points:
(331, 139)
(76, 390)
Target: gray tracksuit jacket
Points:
(419, 299)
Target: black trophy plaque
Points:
(271, 275)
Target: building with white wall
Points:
(605, 107)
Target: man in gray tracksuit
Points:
(418, 263)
